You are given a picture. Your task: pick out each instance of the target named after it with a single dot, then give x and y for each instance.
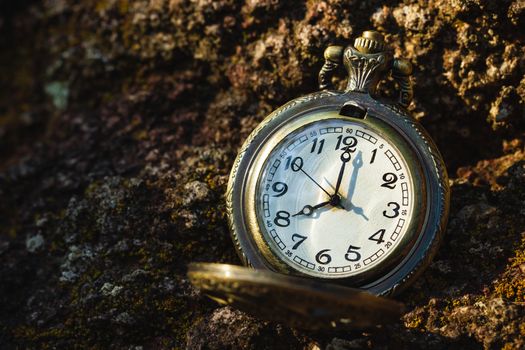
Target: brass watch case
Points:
(296, 302)
(429, 183)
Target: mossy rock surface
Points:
(120, 120)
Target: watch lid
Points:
(297, 302)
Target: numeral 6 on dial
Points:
(323, 258)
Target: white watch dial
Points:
(327, 234)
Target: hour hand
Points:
(309, 210)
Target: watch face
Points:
(334, 198)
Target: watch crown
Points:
(370, 41)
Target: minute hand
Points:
(345, 158)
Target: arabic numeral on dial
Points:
(323, 257)
(280, 188)
(390, 180)
(315, 144)
(348, 142)
(320, 268)
(352, 253)
(373, 156)
(300, 239)
(395, 209)
(297, 164)
(282, 218)
(378, 236)
(288, 161)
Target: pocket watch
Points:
(337, 197)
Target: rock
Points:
(195, 191)
(120, 121)
(412, 17)
(124, 318)
(34, 243)
(227, 328)
(76, 261)
(4, 246)
(342, 344)
(109, 289)
(493, 322)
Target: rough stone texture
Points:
(119, 121)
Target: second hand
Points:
(321, 187)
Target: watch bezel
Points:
(256, 224)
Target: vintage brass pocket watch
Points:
(336, 193)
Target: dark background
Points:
(119, 122)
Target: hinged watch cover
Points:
(295, 301)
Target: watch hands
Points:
(358, 210)
(335, 199)
(357, 163)
(321, 187)
(345, 158)
(309, 210)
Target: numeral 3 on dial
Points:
(395, 210)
